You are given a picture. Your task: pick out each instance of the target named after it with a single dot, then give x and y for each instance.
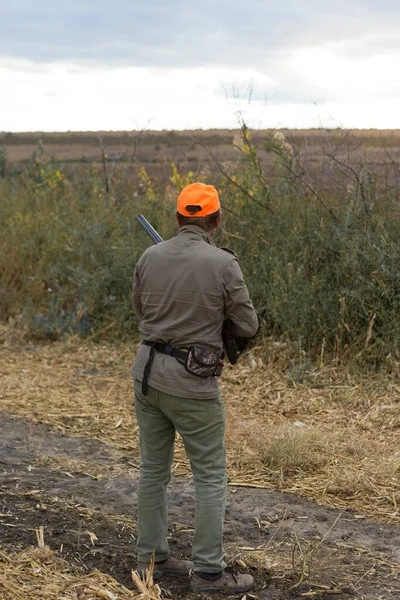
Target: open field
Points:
(193, 150)
(314, 469)
(313, 428)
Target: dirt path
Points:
(80, 486)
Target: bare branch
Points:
(137, 143)
(357, 177)
(236, 183)
(104, 162)
(245, 192)
(312, 190)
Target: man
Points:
(184, 289)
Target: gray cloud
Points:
(185, 33)
(164, 34)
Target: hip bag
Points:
(196, 360)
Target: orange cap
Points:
(198, 200)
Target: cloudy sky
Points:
(186, 64)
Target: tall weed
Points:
(319, 250)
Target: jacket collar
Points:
(194, 232)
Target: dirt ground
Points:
(293, 547)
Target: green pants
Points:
(201, 424)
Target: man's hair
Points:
(207, 223)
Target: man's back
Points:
(184, 289)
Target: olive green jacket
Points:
(183, 290)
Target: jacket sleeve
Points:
(238, 306)
(136, 295)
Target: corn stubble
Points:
(38, 573)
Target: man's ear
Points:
(177, 218)
(217, 224)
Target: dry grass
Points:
(307, 566)
(310, 568)
(334, 438)
(40, 574)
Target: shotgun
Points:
(232, 346)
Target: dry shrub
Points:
(287, 448)
(293, 448)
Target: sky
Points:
(82, 65)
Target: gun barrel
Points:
(157, 239)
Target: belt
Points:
(179, 353)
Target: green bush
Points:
(323, 265)
(68, 251)
(320, 257)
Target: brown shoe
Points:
(229, 582)
(172, 566)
